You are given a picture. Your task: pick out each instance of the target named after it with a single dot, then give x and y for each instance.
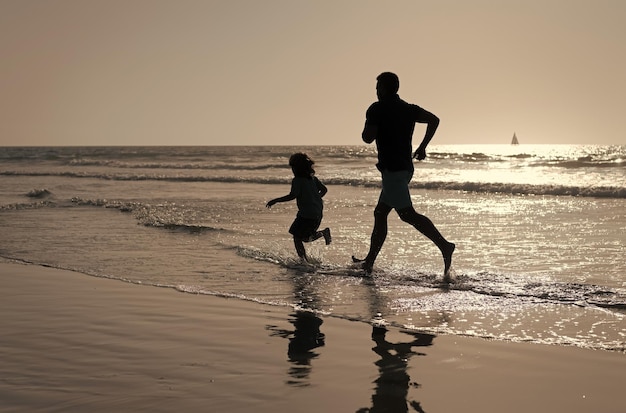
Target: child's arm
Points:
(285, 198)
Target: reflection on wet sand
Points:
(392, 384)
(302, 340)
(306, 334)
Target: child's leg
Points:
(300, 248)
(319, 234)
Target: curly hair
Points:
(301, 165)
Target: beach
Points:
(155, 279)
(540, 252)
(76, 343)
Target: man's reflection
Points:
(392, 384)
(302, 340)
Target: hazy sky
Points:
(157, 72)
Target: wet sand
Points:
(74, 343)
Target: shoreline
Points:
(73, 342)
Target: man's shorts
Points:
(395, 192)
(304, 228)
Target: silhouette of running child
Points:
(308, 191)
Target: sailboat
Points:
(514, 141)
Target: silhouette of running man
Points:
(390, 122)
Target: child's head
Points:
(301, 165)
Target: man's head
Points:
(388, 84)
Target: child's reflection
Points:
(306, 337)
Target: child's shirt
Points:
(308, 198)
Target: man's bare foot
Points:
(367, 267)
(447, 261)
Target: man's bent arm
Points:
(431, 128)
(369, 133)
(432, 122)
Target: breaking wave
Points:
(478, 187)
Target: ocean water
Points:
(539, 231)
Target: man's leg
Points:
(379, 234)
(424, 225)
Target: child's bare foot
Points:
(327, 237)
